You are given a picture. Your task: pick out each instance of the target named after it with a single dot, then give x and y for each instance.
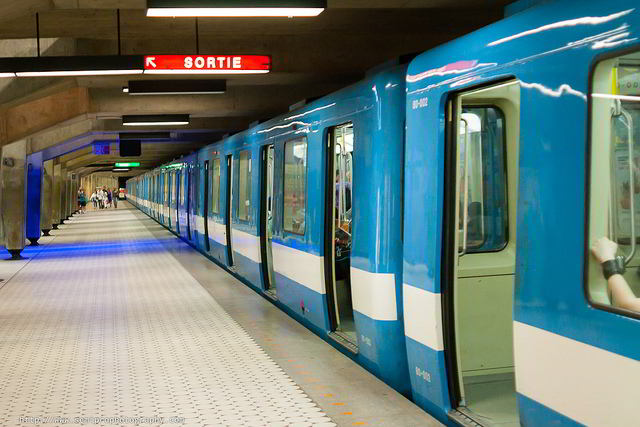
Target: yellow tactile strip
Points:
(105, 324)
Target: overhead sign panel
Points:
(101, 148)
(207, 64)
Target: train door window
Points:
(338, 231)
(614, 206)
(215, 186)
(244, 186)
(483, 224)
(479, 271)
(166, 189)
(268, 155)
(295, 185)
(183, 178)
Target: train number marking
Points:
(420, 103)
(423, 374)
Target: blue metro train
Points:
(434, 222)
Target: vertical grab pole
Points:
(466, 187)
(632, 185)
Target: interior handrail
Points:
(466, 187)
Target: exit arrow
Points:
(150, 62)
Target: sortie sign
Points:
(207, 64)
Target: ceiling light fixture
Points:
(176, 87)
(156, 120)
(77, 73)
(235, 8)
(121, 170)
(60, 66)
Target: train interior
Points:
(485, 252)
(268, 155)
(338, 228)
(615, 138)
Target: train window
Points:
(173, 187)
(215, 186)
(165, 178)
(483, 186)
(244, 186)
(295, 185)
(183, 179)
(614, 206)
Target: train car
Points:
(307, 210)
(521, 151)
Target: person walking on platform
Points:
(94, 200)
(100, 198)
(82, 201)
(108, 197)
(114, 196)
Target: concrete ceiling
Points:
(311, 57)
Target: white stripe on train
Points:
(583, 382)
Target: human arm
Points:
(604, 250)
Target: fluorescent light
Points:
(60, 66)
(176, 87)
(233, 12)
(206, 71)
(2, 75)
(159, 123)
(620, 97)
(120, 170)
(125, 89)
(156, 120)
(77, 73)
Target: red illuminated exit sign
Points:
(207, 64)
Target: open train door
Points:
(479, 252)
(229, 209)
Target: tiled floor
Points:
(115, 318)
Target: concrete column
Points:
(74, 192)
(64, 194)
(34, 196)
(46, 217)
(56, 196)
(67, 207)
(14, 196)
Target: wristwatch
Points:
(613, 266)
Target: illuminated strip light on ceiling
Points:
(159, 123)
(156, 120)
(233, 12)
(77, 73)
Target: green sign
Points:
(128, 165)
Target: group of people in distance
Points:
(102, 198)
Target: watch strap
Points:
(613, 266)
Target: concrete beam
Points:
(30, 117)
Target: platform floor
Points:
(114, 318)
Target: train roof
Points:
(537, 32)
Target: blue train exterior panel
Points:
(550, 50)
